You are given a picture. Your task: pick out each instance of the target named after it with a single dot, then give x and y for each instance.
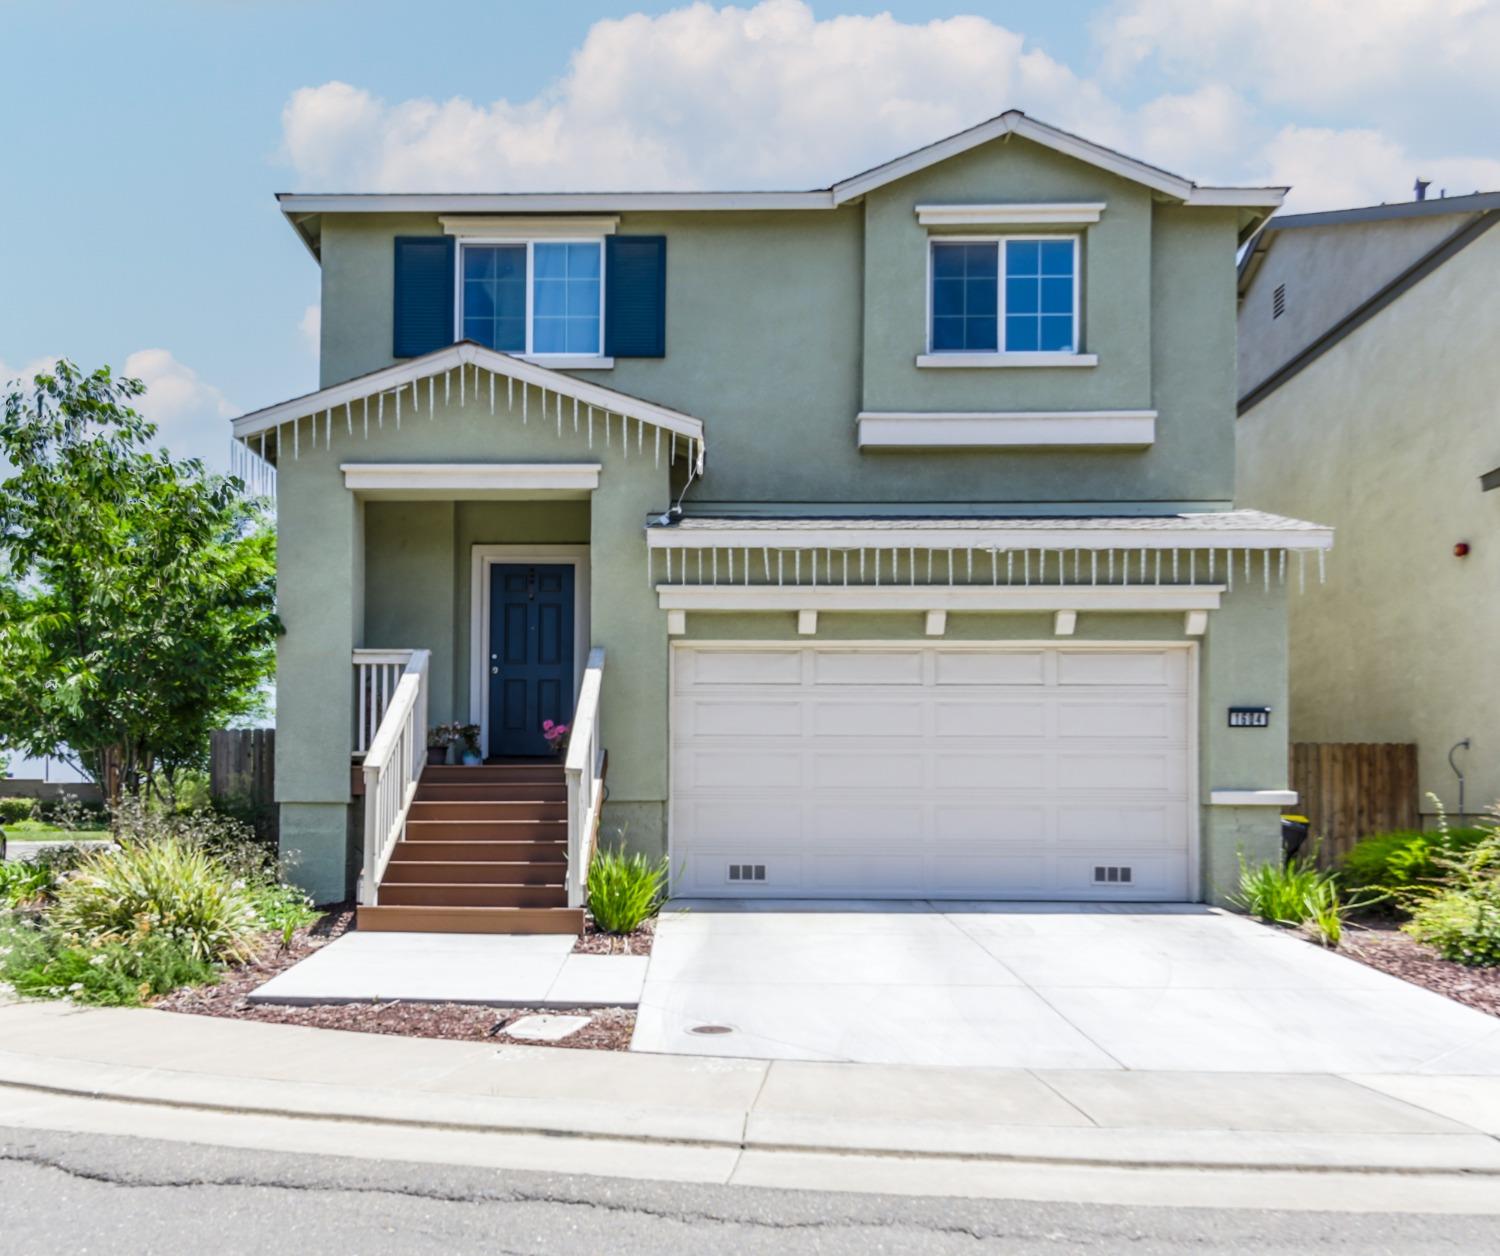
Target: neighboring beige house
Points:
(1369, 358)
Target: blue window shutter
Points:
(423, 305)
(635, 296)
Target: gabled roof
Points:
(303, 210)
(400, 380)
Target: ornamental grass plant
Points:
(624, 891)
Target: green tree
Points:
(137, 603)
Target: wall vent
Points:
(1111, 874)
(1278, 301)
(747, 872)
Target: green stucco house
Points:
(876, 541)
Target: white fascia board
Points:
(1035, 597)
(389, 378)
(1035, 214)
(375, 478)
(531, 228)
(546, 202)
(960, 537)
(1238, 198)
(1253, 797)
(1016, 429)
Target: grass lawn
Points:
(38, 831)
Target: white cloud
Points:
(1312, 53)
(1328, 167)
(190, 414)
(1202, 134)
(311, 327)
(24, 374)
(698, 97)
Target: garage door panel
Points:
(739, 667)
(867, 667)
(867, 718)
(977, 717)
(866, 770)
(742, 717)
(970, 771)
(990, 667)
(750, 770)
(1109, 667)
(994, 769)
(1138, 719)
(959, 822)
(1158, 826)
(858, 823)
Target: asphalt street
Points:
(87, 1193)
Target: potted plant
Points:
(556, 736)
(439, 738)
(469, 735)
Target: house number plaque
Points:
(1249, 717)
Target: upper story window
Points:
(533, 297)
(1014, 294)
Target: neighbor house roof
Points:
(304, 210)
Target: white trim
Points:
(978, 537)
(807, 623)
(377, 479)
(1065, 623)
(466, 353)
(484, 557)
(1057, 213)
(1195, 756)
(974, 361)
(529, 228)
(925, 598)
(544, 202)
(1253, 797)
(1238, 197)
(937, 623)
(1003, 356)
(1195, 623)
(974, 429)
(676, 623)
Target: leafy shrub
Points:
(14, 810)
(1280, 892)
(1459, 914)
(34, 881)
(168, 886)
(624, 890)
(1396, 861)
(113, 972)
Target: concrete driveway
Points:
(1037, 985)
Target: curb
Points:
(1407, 1155)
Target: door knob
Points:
(494, 671)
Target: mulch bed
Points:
(1382, 945)
(609, 1029)
(596, 942)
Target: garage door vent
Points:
(1111, 874)
(747, 872)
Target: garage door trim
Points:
(1194, 835)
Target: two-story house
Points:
(875, 541)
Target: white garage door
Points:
(963, 771)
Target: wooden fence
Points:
(242, 772)
(1349, 790)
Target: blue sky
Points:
(142, 142)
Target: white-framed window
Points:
(538, 298)
(1003, 294)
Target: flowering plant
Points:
(556, 735)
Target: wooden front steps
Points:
(485, 850)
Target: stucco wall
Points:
(782, 327)
(1384, 437)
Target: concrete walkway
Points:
(1038, 985)
(502, 970)
(1394, 1141)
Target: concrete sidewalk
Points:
(1391, 1126)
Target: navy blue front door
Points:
(531, 654)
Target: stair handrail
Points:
(392, 767)
(583, 770)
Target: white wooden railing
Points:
(376, 675)
(393, 764)
(584, 771)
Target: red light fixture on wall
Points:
(1461, 550)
